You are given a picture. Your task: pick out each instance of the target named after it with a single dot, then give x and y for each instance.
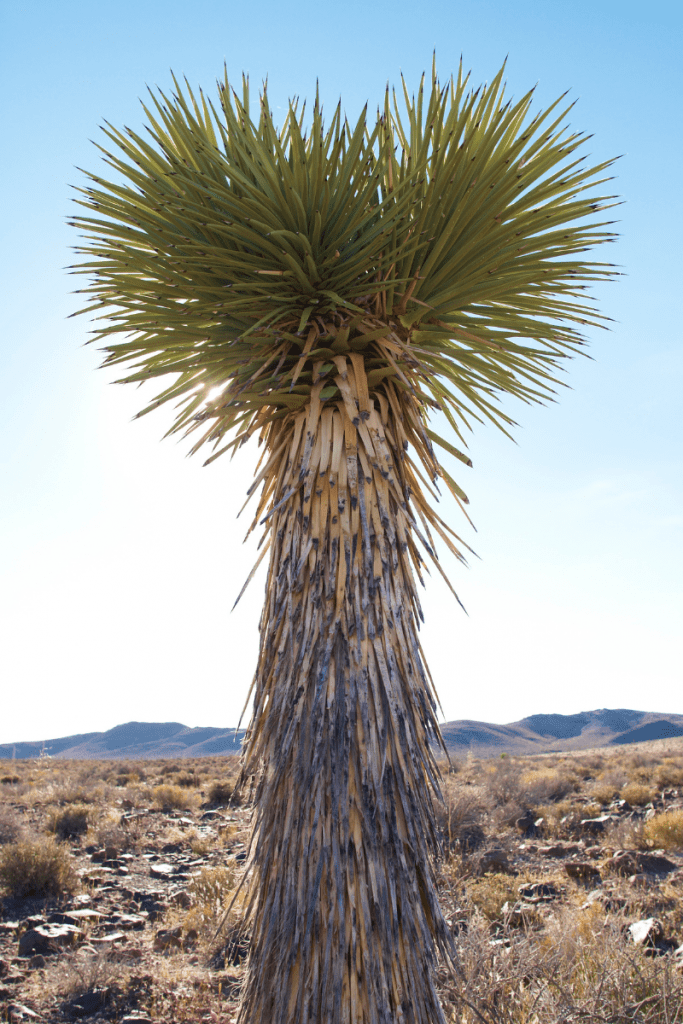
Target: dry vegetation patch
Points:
(540, 901)
(36, 868)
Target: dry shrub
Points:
(460, 819)
(669, 773)
(116, 838)
(221, 793)
(490, 893)
(9, 780)
(637, 794)
(11, 825)
(86, 970)
(543, 786)
(664, 831)
(171, 798)
(78, 794)
(211, 892)
(36, 868)
(188, 780)
(212, 886)
(200, 844)
(608, 785)
(503, 782)
(70, 822)
(589, 765)
(579, 968)
(127, 778)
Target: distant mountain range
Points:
(535, 734)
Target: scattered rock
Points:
(646, 932)
(526, 824)
(182, 899)
(595, 896)
(167, 939)
(622, 863)
(83, 915)
(580, 869)
(19, 1012)
(494, 860)
(559, 850)
(37, 961)
(132, 921)
(655, 863)
(639, 881)
(87, 1003)
(108, 939)
(631, 862)
(48, 939)
(536, 892)
(162, 870)
(599, 824)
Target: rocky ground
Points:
(562, 882)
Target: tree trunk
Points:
(344, 913)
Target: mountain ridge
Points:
(542, 733)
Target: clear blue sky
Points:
(120, 558)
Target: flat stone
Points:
(48, 938)
(655, 863)
(598, 824)
(136, 921)
(18, 1011)
(559, 850)
(162, 870)
(646, 932)
(103, 940)
(76, 916)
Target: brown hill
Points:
(536, 734)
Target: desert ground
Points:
(122, 887)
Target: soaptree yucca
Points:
(333, 289)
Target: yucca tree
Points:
(332, 290)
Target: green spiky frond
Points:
(445, 242)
